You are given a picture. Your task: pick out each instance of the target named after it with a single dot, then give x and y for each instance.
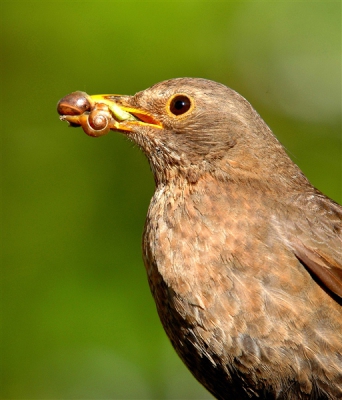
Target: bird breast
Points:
(219, 285)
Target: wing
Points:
(316, 239)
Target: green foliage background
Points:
(77, 317)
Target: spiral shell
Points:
(98, 121)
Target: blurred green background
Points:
(77, 317)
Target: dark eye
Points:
(180, 105)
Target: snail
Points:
(98, 121)
(75, 103)
(79, 109)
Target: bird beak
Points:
(98, 114)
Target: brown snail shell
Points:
(75, 103)
(97, 122)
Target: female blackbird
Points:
(243, 254)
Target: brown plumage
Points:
(243, 254)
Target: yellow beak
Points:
(98, 114)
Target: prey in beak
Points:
(98, 114)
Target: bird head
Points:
(187, 127)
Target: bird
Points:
(243, 255)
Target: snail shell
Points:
(98, 121)
(75, 103)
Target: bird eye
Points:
(180, 104)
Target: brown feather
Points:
(243, 255)
(232, 230)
